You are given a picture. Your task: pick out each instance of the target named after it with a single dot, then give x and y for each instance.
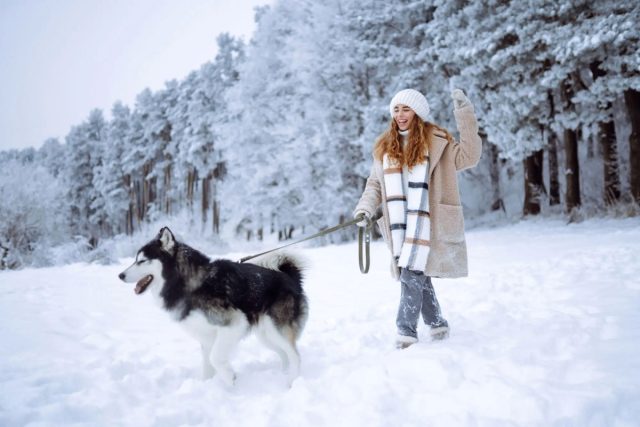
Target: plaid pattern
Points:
(408, 213)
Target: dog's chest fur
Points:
(196, 325)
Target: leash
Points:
(364, 239)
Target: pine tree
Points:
(84, 152)
(262, 148)
(111, 179)
(598, 37)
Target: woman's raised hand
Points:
(459, 99)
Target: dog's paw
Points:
(227, 377)
(208, 374)
(292, 379)
(292, 375)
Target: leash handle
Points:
(364, 238)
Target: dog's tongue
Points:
(143, 283)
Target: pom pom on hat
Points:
(413, 99)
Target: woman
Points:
(413, 180)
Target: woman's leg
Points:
(411, 285)
(431, 313)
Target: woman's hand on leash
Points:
(364, 217)
(459, 99)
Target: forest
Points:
(273, 136)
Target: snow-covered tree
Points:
(600, 47)
(262, 149)
(32, 212)
(52, 156)
(276, 136)
(206, 114)
(146, 160)
(110, 178)
(84, 151)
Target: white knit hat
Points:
(413, 99)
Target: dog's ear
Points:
(167, 240)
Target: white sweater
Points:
(405, 169)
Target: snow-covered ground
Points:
(545, 332)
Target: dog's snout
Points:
(121, 276)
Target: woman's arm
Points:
(468, 150)
(371, 196)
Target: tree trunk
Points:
(128, 220)
(205, 198)
(152, 193)
(147, 192)
(632, 99)
(533, 183)
(552, 151)
(137, 190)
(129, 225)
(191, 180)
(571, 170)
(572, 166)
(167, 189)
(4, 252)
(215, 208)
(494, 173)
(607, 139)
(219, 173)
(590, 146)
(554, 181)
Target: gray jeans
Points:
(417, 296)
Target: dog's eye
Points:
(141, 261)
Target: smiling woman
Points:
(403, 115)
(413, 181)
(59, 60)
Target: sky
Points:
(59, 59)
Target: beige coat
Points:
(448, 252)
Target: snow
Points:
(545, 332)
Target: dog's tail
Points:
(291, 265)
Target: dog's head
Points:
(148, 266)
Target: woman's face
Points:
(403, 116)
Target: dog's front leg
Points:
(226, 341)
(208, 371)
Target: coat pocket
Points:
(450, 225)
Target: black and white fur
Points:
(221, 301)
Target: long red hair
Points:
(420, 135)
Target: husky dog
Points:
(219, 302)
